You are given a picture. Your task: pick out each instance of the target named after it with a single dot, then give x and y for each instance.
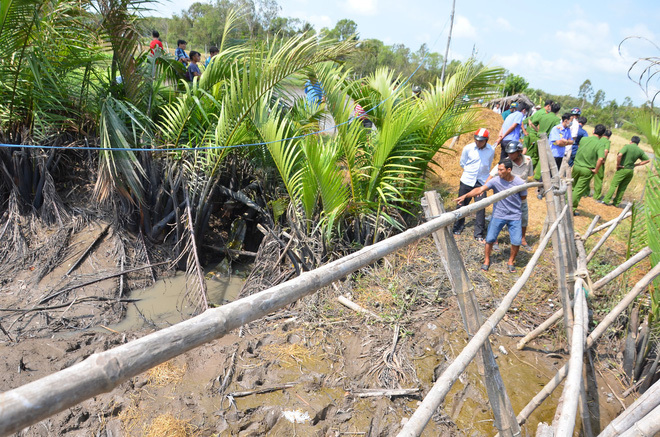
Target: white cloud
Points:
(463, 28)
(318, 21)
(638, 30)
(502, 25)
(361, 7)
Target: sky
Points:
(555, 46)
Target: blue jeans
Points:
(496, 225)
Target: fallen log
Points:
(86, 252)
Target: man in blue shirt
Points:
(560, 137)
(180, 52)
(507, 211)
(476, 160)
(212, 52)
(314, 92)
(512, 128)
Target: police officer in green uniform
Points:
(531, 140)
(588, 161)
(598, 177)
(546, 122)
(626, 161)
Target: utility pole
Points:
(451, 26)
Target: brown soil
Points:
(324, 352)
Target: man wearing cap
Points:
(507, 212)
(512, 127)
(476, 160)
(560, 137)
(626, 161)
(524, 169)
(575, 124)
(588, 161)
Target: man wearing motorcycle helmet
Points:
(575, 125)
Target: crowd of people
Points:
(519, 163)
(190, 61)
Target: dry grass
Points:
(164, 374)
(167, 425)
(293, 355)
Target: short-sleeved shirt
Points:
(505, 114)
(547, 122)
(509, 208)
(631, 153)
(513, 118)
(535, 119)
(193, 68)
(557, 133)
(314, 92)
(476, 163)
(155, 43)
(180, 55)
(590, 150)
(581, 133)
(606, 143)
(524, 171)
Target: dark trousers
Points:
(480, 223)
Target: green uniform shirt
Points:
(535, 119)
(631, 153)
(591, 148)
(607, 143)
(547, 122)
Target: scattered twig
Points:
(355, 307)
(612, 390)
(109, 329)
(240, 394)
(6, 333)
(88, 250)
(231, 251)
(76, 300)
(230, 372)
(367, 393)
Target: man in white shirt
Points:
(476, 160)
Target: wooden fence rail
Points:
(443, 384)
(104, 371)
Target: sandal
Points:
(527, 247)
(485, 267)
(511, 268)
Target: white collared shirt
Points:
(476, 163)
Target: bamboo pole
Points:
(102, 372)
(598, 285)
(593, 337)
(649, 425)
(609, 232)
(548, 168)
(636, 411)
(443, 384)
(503, 414)
(573, 386)
(604, 226)
(591, 227)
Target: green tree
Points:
(599, 98)
(514, 84)
(585, 92)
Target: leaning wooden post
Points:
(596, 286)
(591, 227)
(604, 226)
(571, 395)
(504, 416)
(435, 396)
(591, 339)
(609, 232)
(544, 158)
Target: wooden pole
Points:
(649, 425)
(609, 232)
(573, 386)
(598, 285)
(640, 408)
(547, 167)
(591, 339)
(503, 414)
(443, 384)
(444, 61)
(593, 224)
(102, 372)
(604, 226)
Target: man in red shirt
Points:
(155, 42)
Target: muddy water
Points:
(163, 303)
